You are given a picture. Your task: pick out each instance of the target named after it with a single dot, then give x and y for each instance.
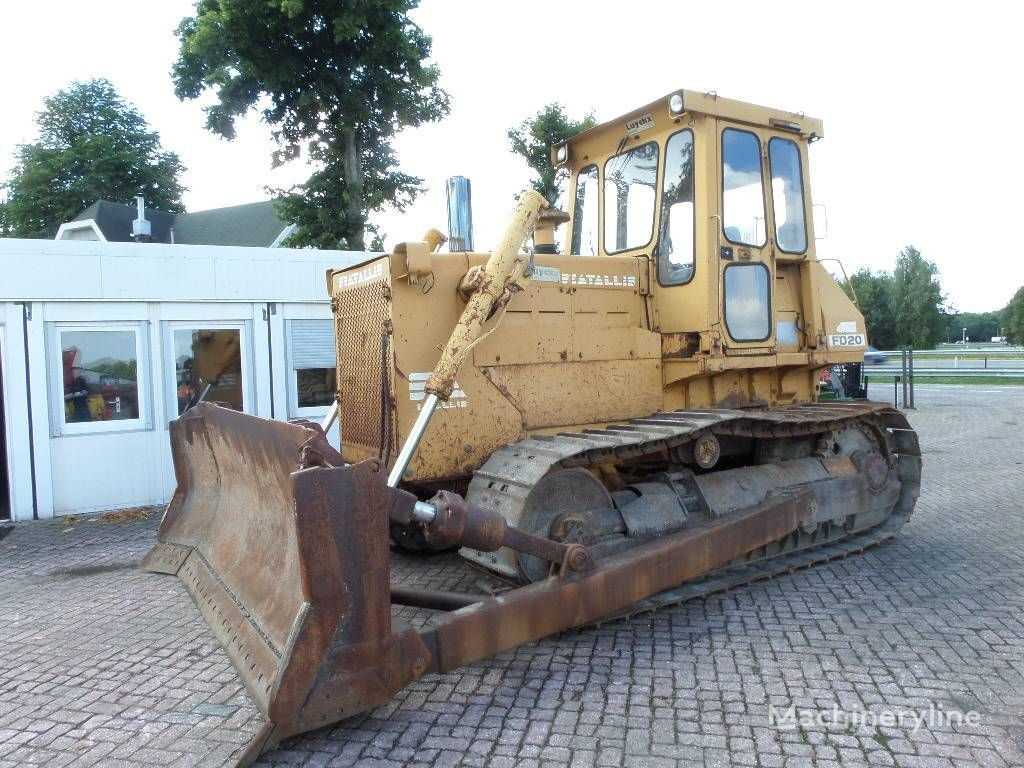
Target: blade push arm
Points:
(503, 265)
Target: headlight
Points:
(675, 103)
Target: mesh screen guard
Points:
(365, 360)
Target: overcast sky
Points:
(921, 104)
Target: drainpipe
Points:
(26, 315)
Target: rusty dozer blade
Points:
(289, 565)
(289, 568)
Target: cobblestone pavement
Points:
(106, 665)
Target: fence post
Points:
(903, 373)
(895, 391)
(910, 374)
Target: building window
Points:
(312, 361)
(100, 375)
(747, 302)
(629, 192)
(742, 188)
(315, 387)
(208, 367)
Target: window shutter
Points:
(312, 344)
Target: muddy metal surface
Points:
(106, 665)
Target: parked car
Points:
(873, 356)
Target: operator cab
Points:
(714, 194)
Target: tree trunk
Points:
(354, 183)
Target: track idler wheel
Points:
(568, 492)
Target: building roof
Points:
(115, 221)
(91, 270)
(252, 224)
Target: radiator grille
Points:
(362, 315)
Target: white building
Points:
(98, 352)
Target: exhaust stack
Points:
(460, 214)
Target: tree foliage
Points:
(874, 293)
(1013, 318)
(5, 223)
(918, 300)
(981, 326)
(91, 145)
(535, 137)
(905, 307)
(337, 80)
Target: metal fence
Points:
(961, 351)
(940, 366)
(888, 371)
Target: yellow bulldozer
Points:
(620, 424)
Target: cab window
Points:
(787, 195)
(675, 230)
(584, 217)
(747, 302)
(629, 193)
(742, 188)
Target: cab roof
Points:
(698, 103)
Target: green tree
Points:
(5, 224)
(904, 307)
(874, 292)
(91, 145)
(1013, 318)
(535, 137)
(337, 79)
(918, 302)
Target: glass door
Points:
(746, 243)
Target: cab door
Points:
(746, 248)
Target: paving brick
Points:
(113, 666)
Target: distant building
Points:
(254, 225)
(103, 343)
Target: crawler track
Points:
(505, 480)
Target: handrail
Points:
(853, 291)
